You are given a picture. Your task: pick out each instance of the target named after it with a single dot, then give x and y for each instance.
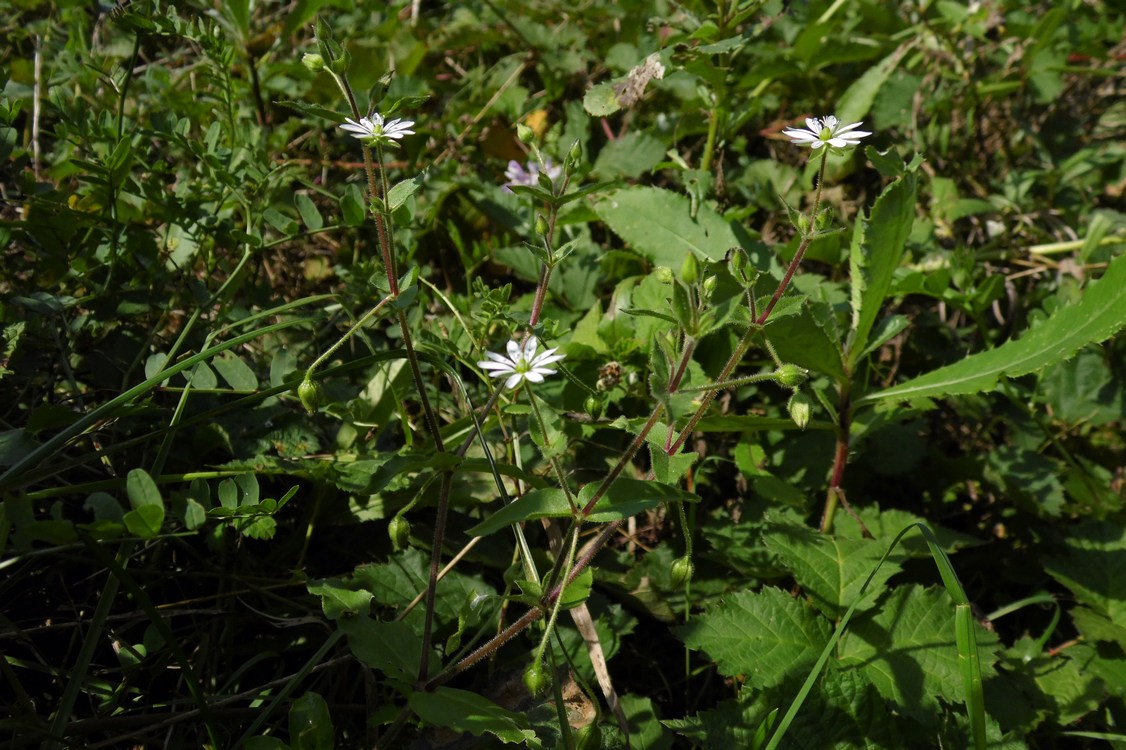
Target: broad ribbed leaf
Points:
(763, 636)
(831, 570)
(463, 711)
(659, 225)
(1094, 567)
(907, 649)
(1098, 315)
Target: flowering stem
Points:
(806, 239)
(568, 564)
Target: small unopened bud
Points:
(575, 154)
(591, 405)
(399, 529)
(682, 570)
(801, 408)
(790, 376)
(537, 679)
(525, 133)
(313, 62)
(710, 285)
(664, 275)
(309, 392)
(690, 269)
(541, 224)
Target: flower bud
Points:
(309, 392)
(800, 407)
(592, 406)
(339, 66)
(575, 154)
(525, 133)
(682, 570)
(537, 679)
(690, 269)
(710, 284)
(664, 274)
(399, 529)
(313, 62)
(791, 376)
(541, 224)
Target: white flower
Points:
(518, 175)
(827, 130)
(521, 364)
(377, 132)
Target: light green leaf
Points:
(399, 193)
(878, 242)
(857, 100)
(463, 711)
(391, 647)
(830, 569)
(1094, 567)
(763, 636)
(310, 724)
(236, 372)
(309, 212)
(601, 101)
(142, 490)
(659, 225)
(1099, 314)
(907, 649)
(145, 521)
(626, 497)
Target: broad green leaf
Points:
(907, 649)
(659, 225)
(310, 214)
(399, 193)
(463, 711)
(830, 569)
(397, 582)
(142, 490)
(337, 600)
(145, 521)
(1094, 567)
(1097, 627)
(391, 647)
(352, 206)
(310, 724)
(1099, 314)
(878, 241)
(236, 372)
(601, 101)
(626, 497)
(630, 156)
(804, 341)
(764, 636)
(857, 99)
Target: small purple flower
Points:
(530, 177)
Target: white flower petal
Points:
(514, 351)
(501, 368)
(533, 377)
(514, 381)
(530, 347)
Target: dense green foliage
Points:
(880, 504)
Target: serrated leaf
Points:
(830, 569)
(764, 636)
(235, 372)
(601, 101)
(463, 711)
(626, 497)
(1099, 314)
(659, 225)
(1094, 567)
(907, 649)
(878, 241)
(397, 582)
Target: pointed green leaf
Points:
(310, 214)
(463, 711)
(763, 636)
(831, 570)
(399, 194)
(878, 242)
(391, 647)
(1099, 314)
(1094, 567)
(908, 649)
(659, 225)
(235, 371)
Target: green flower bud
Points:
(313, 62)
(537, 679)
(738, 260)
(710, 284)
(399, 529)
(574, 155)
(791, 376)
(592, 406)
(801, 408)
(664, 274)
(525, 133)
(682, 570)
(309, 392)
(339, 66)
(541, 224)
(690, 269)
